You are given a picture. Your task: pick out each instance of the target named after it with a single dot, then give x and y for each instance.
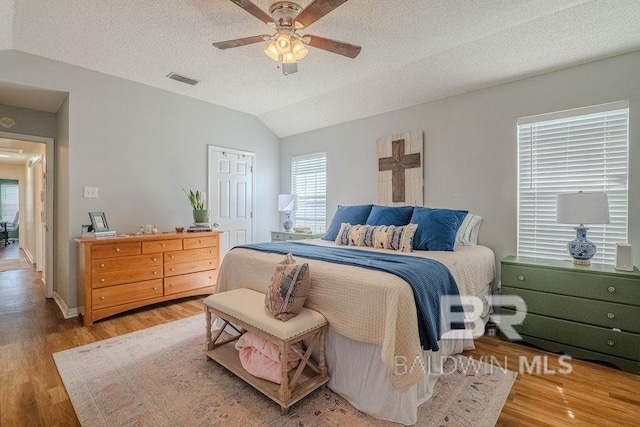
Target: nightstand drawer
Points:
(573, 283)
(589, 337)
(600, 313)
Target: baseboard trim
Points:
(30, 257)
(67, 313)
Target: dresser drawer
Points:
(189, 267)
(115, 249)
(161, 246)
(188, 282)
(600, 313)
(574, 283)
(101, 280)
(200, 242)
(122, 294)
(595, 338)
(105, 265)
(201, 254)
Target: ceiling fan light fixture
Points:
(272, 52)
(283, 44)
(298, 49)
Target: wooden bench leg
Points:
(284, 392)
(322, 357)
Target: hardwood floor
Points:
(32, 393)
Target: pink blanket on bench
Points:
(261, 358)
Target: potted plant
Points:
(197, 200)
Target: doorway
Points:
(231, 199)
(35, 175)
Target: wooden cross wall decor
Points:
(400, 179)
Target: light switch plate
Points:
(90, 192)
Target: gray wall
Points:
(29, 122)
(140, 146)
(470, 145)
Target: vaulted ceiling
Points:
(412, 51)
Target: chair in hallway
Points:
(12, 227)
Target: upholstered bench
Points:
(244, 310)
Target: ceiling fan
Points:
(287, 46)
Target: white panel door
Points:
(231, 195)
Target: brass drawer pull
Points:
(173, 269)
(101, 297)
(163, 245)
(171, 286)
(102, 280)
(117, 249)
(155, 272)
(611, 343)
(102, 265)
(155, 288)
(611, 289)
(155, 259)
(521, 278)
(171, 256)
(611, 315)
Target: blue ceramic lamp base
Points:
(581, 249)
(288, 222)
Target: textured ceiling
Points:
(412, 51)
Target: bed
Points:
(372, 320)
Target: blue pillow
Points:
(437, 228)
(352, 214)
(390, 215)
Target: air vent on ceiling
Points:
(183, 79)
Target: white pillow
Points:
(468, 232)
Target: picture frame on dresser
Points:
(98, 221)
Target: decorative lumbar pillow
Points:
(381, 239)
(401, 238)
(390, 215)
(287, 260)
(348, 235)
(352, 214)
(289, 289)
(468, 232)
(366, 236)
(437, 228)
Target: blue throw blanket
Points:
(429, 279)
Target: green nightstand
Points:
(277, 236)
(589, 312)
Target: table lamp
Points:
(582, 208)
(286, 204)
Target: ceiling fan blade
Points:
(228, 44)
(316, 10)
(335, 46)
(254, 10)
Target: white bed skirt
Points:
(358, 374)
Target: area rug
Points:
(160, 377)
(13, 264)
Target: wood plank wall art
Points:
(400, 165)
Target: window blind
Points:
(10, 201)
(583, 149)
(309, 182)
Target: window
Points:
(309, 182)
(9, 201)
(584, 149)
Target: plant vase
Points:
(201, 215)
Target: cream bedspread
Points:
(365, 305)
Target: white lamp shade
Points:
(287, 202)
(583, 208)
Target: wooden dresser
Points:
(123, 273)
(590, 312)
